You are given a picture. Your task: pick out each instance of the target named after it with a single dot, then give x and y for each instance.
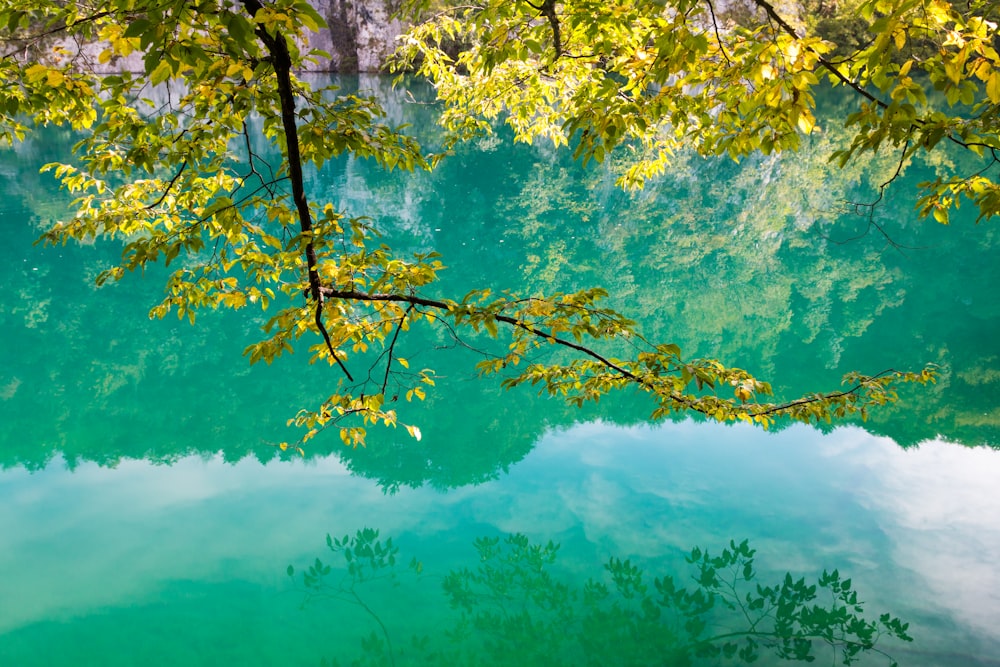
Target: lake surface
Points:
(147, 516)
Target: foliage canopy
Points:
(169, 164)
(668, 75)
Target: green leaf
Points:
(137, 28)
(160, 73)
(14, 21)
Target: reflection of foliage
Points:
(513, 610)
(744, 271)
(367, 559)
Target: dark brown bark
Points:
(281, 60)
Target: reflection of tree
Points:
(749, 262)
(511, 608)
(711, 255)
(735, 261)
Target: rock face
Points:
(361, 34)
(360, 37)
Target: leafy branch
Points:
(249, 242)
(660, 371)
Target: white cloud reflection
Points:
(917, 529)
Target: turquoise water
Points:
(148, 518)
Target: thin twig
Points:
(170, 186)
(392, 345)
(718, 37)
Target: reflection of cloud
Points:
(916, 529)
(942, 503)
(97, 536)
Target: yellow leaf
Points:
(35, 73)
(993, 87)
(806, 122)
(982, 69)
(953, 70)
(160, 73)
(941, 214)
(491, 326)
(403, 362)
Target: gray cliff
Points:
(361, 34)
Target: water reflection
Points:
(734, 261)
(514, 607)
(195, 550)
(112, 557)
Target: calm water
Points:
(147, 518)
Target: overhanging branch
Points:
(281, 60)
(688, 402)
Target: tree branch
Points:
(770, 410)
(548, 9)
(53, 31)
(689, 402)
(718, 37)
(281, 60)
(392, 345)
(859, 207)
(353, 295)
(169, 187)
